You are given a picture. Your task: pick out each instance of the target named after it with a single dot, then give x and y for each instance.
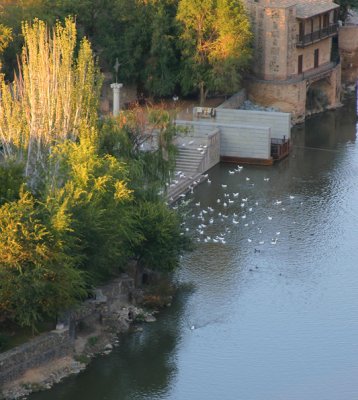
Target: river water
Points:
(271, 311)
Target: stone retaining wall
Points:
(109, 300)
(235, 101)
(38, 351)
(348, 48)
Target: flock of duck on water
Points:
(230, 212)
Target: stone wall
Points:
(36, 352)
(235, 101)
(324, 48)
(290, 97)
(348, 49)
(107, 304)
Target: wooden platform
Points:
(252, 161)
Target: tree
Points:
(148, 171)
(93, 189)
(162, 64)
(345, 6)
(216, 45)
(163, 242)
(37, 278)
(5, 36)
(53, 98)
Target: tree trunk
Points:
(202, 94)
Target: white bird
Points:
(224, 204)
(249, 240)
(244, 200)
(209, 181)
(250, 209)
(292, 197)
(266, 179)
(243, 216)
(192, 327)
(247, 178)
(278, 202)
(231, 172)
(269, 218)
(231, 201)
(277, 233)
(236, 194)
(246, 225)
(262, 242)
(218, 200)
(224, 186)
(274, 241)
(197, 204)
(235, 222)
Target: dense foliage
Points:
(154, 40)
(215, 39)
(345, 6)
(79, 197)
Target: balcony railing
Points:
(305, 40)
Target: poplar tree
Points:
(53, 97)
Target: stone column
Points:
(116, 87)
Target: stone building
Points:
(296, 65)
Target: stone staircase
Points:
(188, 173)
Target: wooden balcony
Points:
(313, 37)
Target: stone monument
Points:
(116, 87)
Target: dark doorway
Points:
(316, 58)
(301, 31)
(300, 64)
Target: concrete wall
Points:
(236, 140)
(278, 122)
(38, 351)
(348, 49)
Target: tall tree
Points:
(5, 35)
(216, 45)
(53, 98)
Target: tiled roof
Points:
(309, 8)
(305, 8)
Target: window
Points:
(300, 64)
(316, 58)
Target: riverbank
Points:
(84, 333)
